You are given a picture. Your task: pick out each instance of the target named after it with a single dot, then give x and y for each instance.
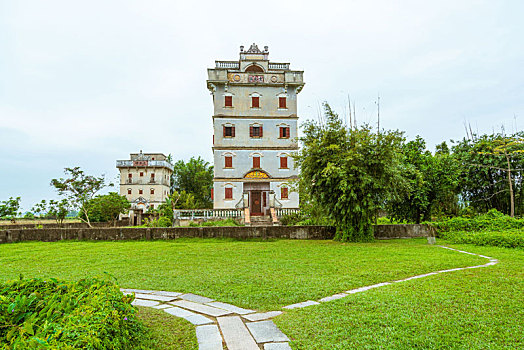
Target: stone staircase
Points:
(261, 221)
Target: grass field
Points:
(263, 275)
(470, 309)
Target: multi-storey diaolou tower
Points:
(255, 131)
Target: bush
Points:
(506, 239)
(52, 314)
(226, 222)
(493, 228)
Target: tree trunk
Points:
(511, 197)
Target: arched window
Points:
(254, 69)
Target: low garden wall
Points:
(403, 231)
(238, 232)
(128, 233)
(47, 225)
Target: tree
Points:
(350, 173)
(432, 183)
(9, 208)
(40, 209)
(79, 188)
(196, 178)
(491, 171)
(107, 208)
(58, 210)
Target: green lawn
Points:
(470, 309)
(168, 332)
(263, 275)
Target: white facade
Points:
(255, 130)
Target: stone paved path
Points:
(221, 325)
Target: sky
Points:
(84, 83)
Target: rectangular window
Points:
(264, 199)
(228, 101)
(152, 191)
(255, 102)
(212, 194)
(284, 132)
(229, 131)
(141, 174)
(283, 193)
(255, 131)
(228, 162)
(229, 193)
(283, 162)
(128, 191)
(140, 192)
(130, 175)
(282, 102)
(256, 162)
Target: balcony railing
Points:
(227, 64)
(143, 163)
(286, 211)
(278, 65)
(192, 214)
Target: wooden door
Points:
(256, 203)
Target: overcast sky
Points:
(84, 83)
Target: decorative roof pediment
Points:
(257, 174)
(254, 49)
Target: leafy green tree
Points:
(196, 178)
(432, 183)
(107, 207)
(40, 209)
(350, 173)
(491, 176)
(79, 188)
(58, 210)
(9, 208)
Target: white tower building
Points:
(255, 130)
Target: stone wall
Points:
(37, 224)
(128, 233)
(403, 231)
(238, 232)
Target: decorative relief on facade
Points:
(257, 174)
(255, 78)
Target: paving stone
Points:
(209, 337)
(162, 306)
(262, 315)
(277, 346)
(201, 308)
(333, 297)
(153, 297)
(195, 319)
(140, 302)
(266, 331)
(166, 294)
(235, 334)
(129, 291)
(229, 307)
(363, 289)
(196, 298)
(302, 304)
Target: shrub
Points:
(506, 239)
(52, 314)
(225, 222)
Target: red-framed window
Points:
(256, 162)
(228, 101)
(255, 102)
(212, 194)
(283, 162)
(128, 191)
(140, 192)
(229, 131)
(130, 176)
(141, 174)
(284, 132)
(152, 191)
(228, 193)
(282, 102)
(283, 193)
(255, 131)
(228, 162)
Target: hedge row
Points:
(52, 314)
(506, 239)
